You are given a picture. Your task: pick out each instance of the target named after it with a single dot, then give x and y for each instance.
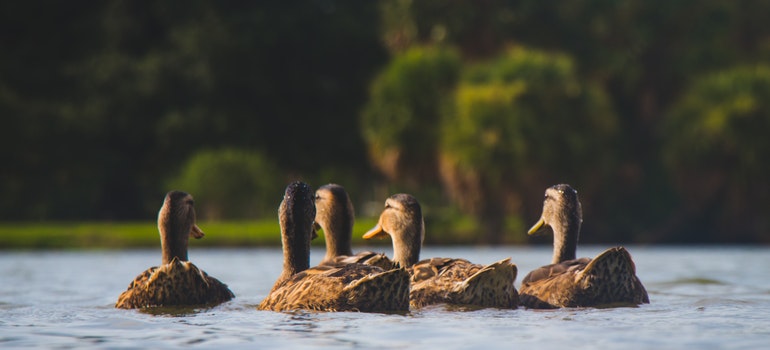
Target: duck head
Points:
(401, 220)
(176, 223)
(296, 214)
(335, 215)
(563, 214)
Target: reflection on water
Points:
(686, 281)
(173, 311)
(299, 322)
(701, 298)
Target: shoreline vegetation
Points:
(73, 235)
(251, 233)
(97, 235)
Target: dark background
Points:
(104, 104)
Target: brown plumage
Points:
(607, 280)
(176, 282)
(335, 216)
(441, 280)
(351, 287)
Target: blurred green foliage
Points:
(231, 184)
(58, 235)
(524, 118)
(654, 111)
(716, 150)
(401, 121)
(103, 102)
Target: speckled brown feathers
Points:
(450, 268)
(176, 282)
(335, 215)
(367, 258)
(460, 282)
(352, 287)
(441, 280)
(607, 280)
(348, 287)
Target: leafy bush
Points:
(231, 184)
(400, 123)
(716, 149)
(523, 119)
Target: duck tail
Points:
(492, 286)
(380, 260)
(613, 276)
(381, 292)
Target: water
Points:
(702, 297)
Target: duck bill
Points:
(538, 227)
(196, 232)
(377, 232)
(314, 231)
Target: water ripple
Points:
(701, 298)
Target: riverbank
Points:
(96, 235)
(100, 235)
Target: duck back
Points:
(607, 280)
(174, 284)
(351, 287)
(460, 282)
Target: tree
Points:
(231, 184)
(101, 102)
(519, 124)
(401, 121)
(716, 150)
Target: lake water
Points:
(702, 298)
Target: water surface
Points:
(702, 297)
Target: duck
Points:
(452, 281)
(607, 280)
(335, 216)
(176, 281)
(350, 287)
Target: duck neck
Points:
(565, 239)
(406, 246)
(338, 236)
(296, 250)
(174, 237)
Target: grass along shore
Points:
(72, 235)
(264, 232)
